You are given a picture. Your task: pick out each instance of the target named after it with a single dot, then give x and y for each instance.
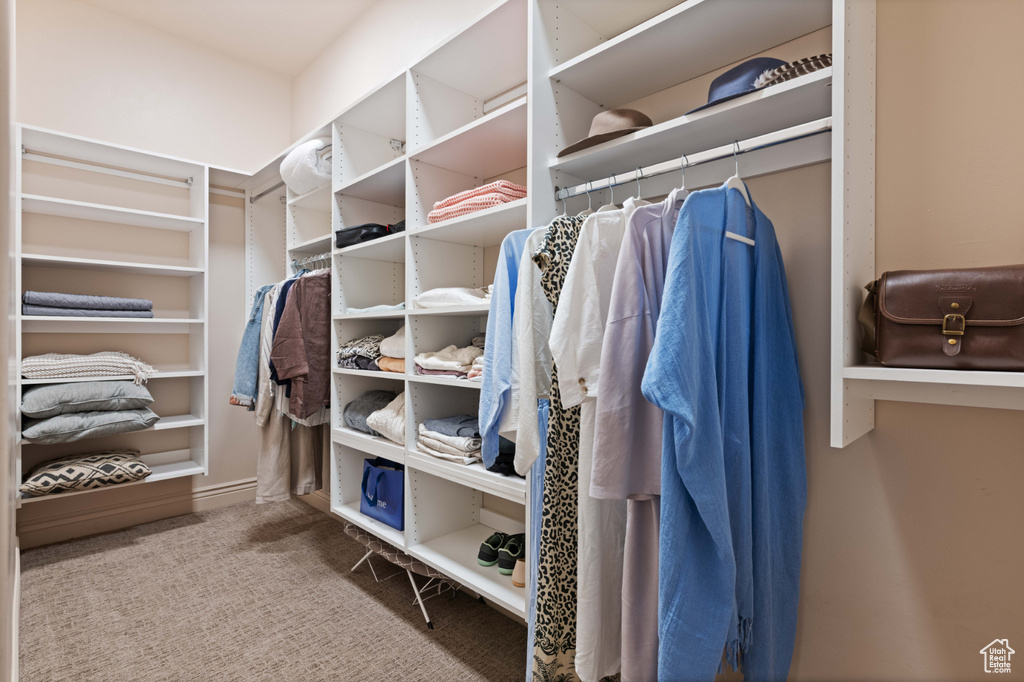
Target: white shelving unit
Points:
(541, 70)
(155, 208)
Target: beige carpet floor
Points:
(245, 593)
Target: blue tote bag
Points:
(383, 492)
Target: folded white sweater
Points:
(450, 358)
(389, 421)
(394, 345)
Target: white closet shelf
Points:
(314, 245)
(486, 59)
(968, 388)
(388, 315)
(686, 41)
(44, 261)
(455, 555)
(369, 373)
(317, 200)
(161, 374)
(797, 101)
(485, 148)
(66, 208)
(350, 512)
(179, 421)
(54, 143)
(161, 472)
(483, 228)
(383, 185)
(42, 324)
(381, 111)
(472, 475)
(373, 445)
(454, 310)
(444, 381)
(935, 376)
(390, 248)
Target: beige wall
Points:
(85, 71)
(912, 542)
(389, 36)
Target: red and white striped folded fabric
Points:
(466, 207)
(510, 190)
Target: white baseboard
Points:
(318, 499)
(103, 519)
(16, 615)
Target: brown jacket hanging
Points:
(301, 350)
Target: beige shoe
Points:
(519, 574)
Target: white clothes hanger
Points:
(736, 183)
(610, 206)
(589, 208)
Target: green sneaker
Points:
(513, 550)
(489, 549)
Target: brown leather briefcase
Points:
(947, 319)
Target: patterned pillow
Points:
(85, 472)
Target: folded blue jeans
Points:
(248, 363)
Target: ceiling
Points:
(282, 36)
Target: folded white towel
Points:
(450, 358)
(446, 296)
(394, 345)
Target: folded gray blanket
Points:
(82, 312)
(83, 302)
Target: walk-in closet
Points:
(556, 340)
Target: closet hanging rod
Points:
(324, 257)
(252, 200)
(772, 139)
(108, 170)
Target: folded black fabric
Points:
(52, 299)
(504, 464)
(81, 312)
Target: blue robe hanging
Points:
(724, 370)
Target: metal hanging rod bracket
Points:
(798, 132)
(107, 170)
(253, 199)
(398, 146)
